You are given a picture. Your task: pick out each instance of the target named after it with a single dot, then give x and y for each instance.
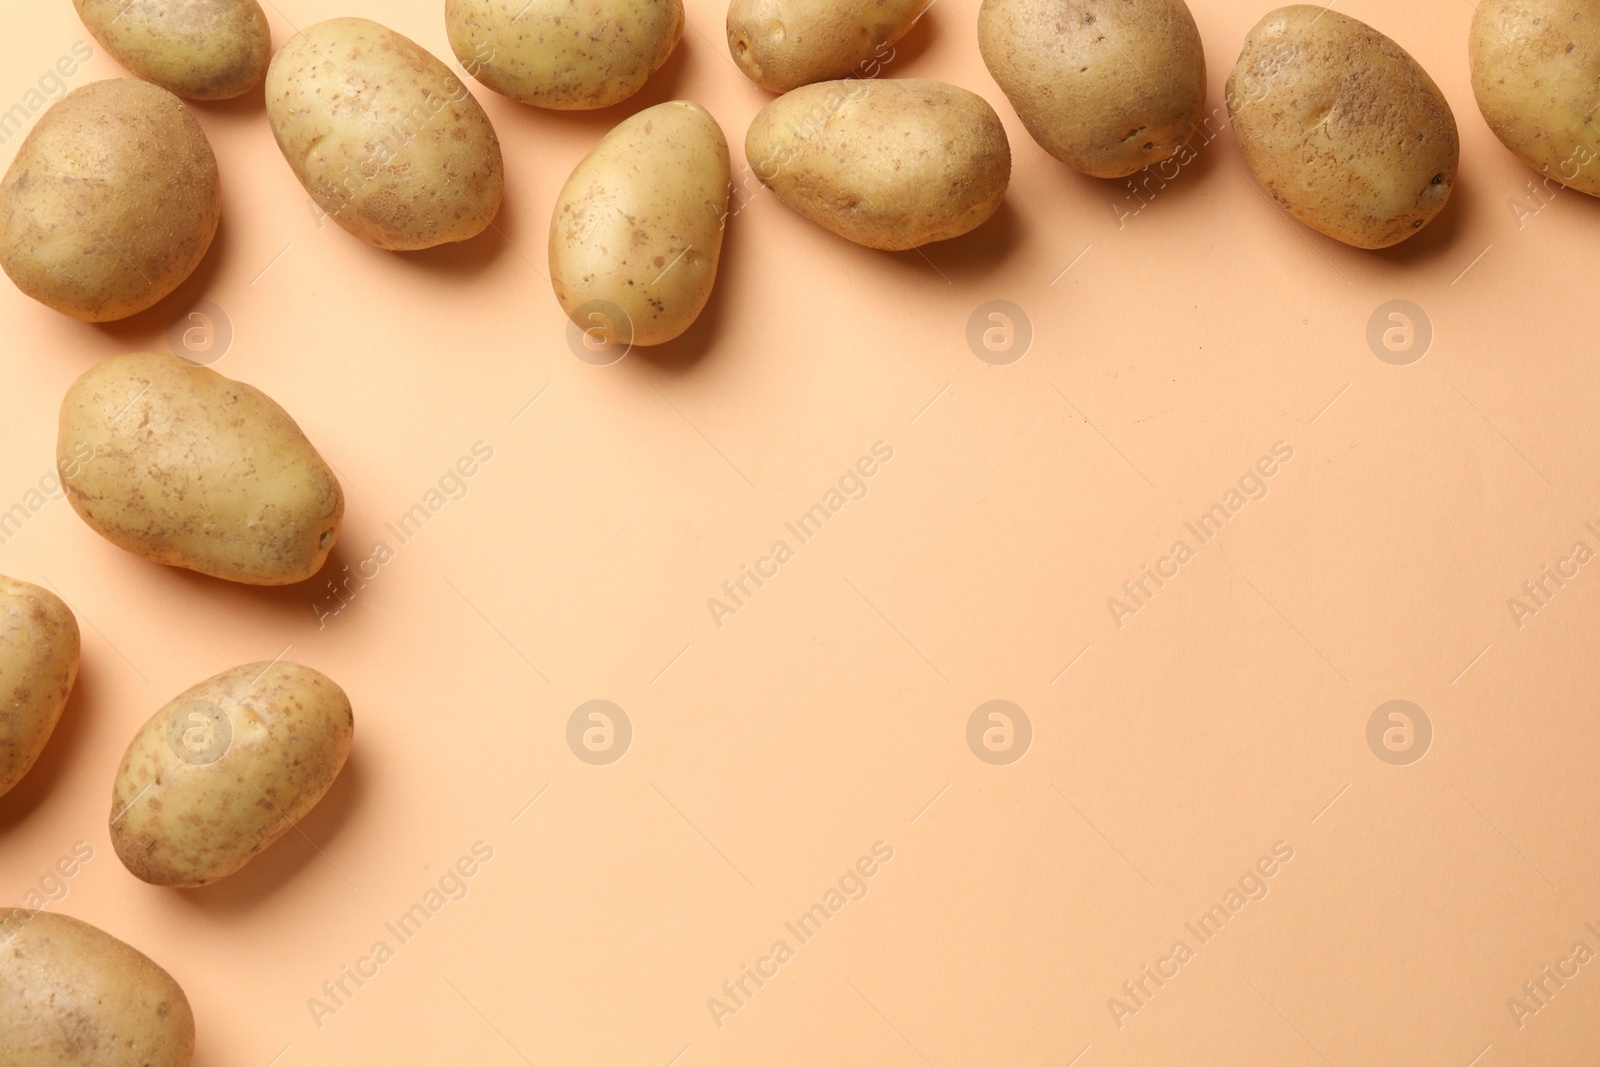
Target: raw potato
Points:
(1342, 127)
(225, 769)
(71, 995)
(95, 221)
(39, 648)
(1536, 74)
(888, 164)
(1108, 87)
(383, 136)
(203, 49)
(637, 230)
(784, 44)
(196, 470)
(572, 55)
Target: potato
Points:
(1536, 74)
(203, 49)
(1108, 87)
(225, 769)
(888, 164)
(38, 664)
(196, 470)
(784, 44)
(383, 136)
(71, 995)
(636, 234)
(572, 56)
(94, 221)
(1342, 127)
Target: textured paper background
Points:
(1173, 346)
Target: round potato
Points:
(225, 769)
(94, 221)
(383, 136)
(1342, 127)
(203, 49)
(637, 230)
(196, 470)
(784, 44)
(571, 55)
(72, 995)
(39, 648)
(1536, 74)
(888, 164)
(1108, 87)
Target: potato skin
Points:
(570, 55)
(189, 808)
(72, 995)
(1108, 87)
(202, 49)
(1536, 75)
(1342, 126)
(385, 138)
(39, 648)
(195, 470)
(784, 44)
(889, 164)
(111, 202)
(639, 224)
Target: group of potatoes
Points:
(114, 198)
(184, 467)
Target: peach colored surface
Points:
(1173, 346)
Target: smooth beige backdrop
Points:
(1176, 340)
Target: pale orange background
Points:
(825, 716)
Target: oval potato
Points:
(1108, 87)
(93, 222)
(571, 55)
(890, 164)
(1342, 127)
(39, 647)
(72, 995)
(385, 138)
(224, 770)
(1536, 75)
(636, 235)
(195, 470)
(784, 44)
(203, 49)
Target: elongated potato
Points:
(385, 138)
(202, 49)
(71, 995)
(111, 202)
(1536, 75)
(1342, 127)
(1108, 87)
(888, 164)
(636, 235)
(571, 55)
(39, 648)
(784, 44)
(225, 769)
(195, 470)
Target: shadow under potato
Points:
(60, 752)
